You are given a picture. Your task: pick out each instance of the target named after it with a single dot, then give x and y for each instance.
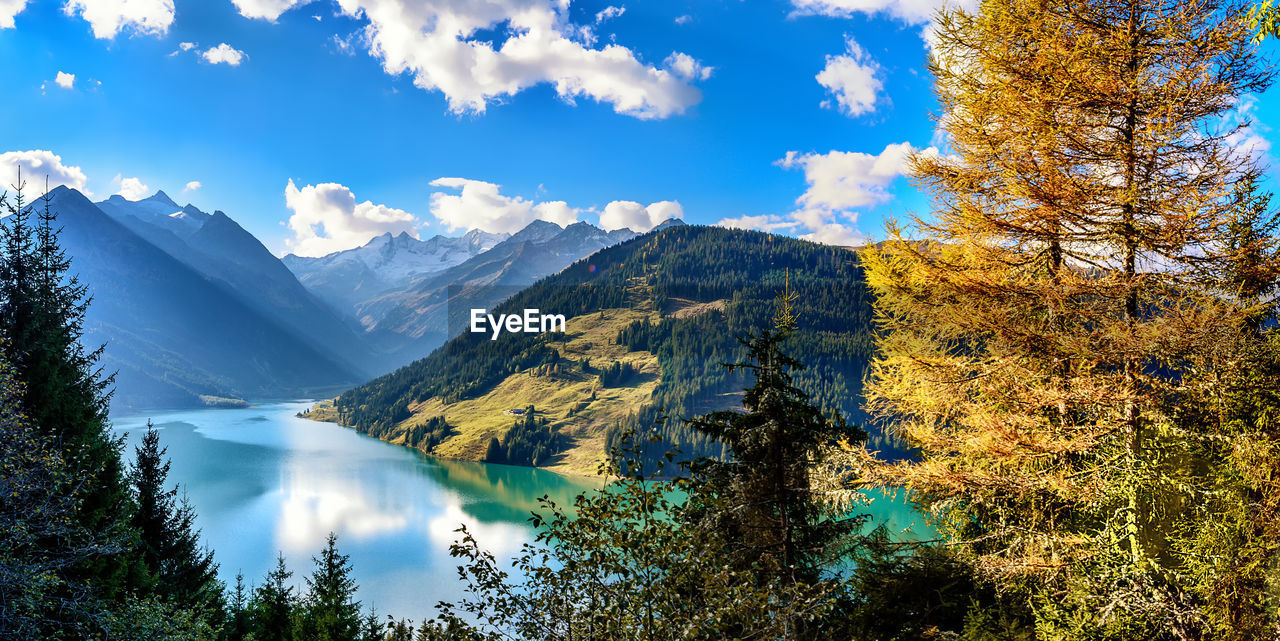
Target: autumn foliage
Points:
(1095, 269)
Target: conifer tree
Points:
(274, 603)
(41, 543)
(1227, 541)
(169, 543)
(65, 393)
(1041, 342)
(238, 613)
(329, 610)
(761, 499)
(371, 627)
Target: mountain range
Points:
(399, 290)
(182, 322)
(193, 309)
(348, 278)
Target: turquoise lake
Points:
(265, 482)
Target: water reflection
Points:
(263, 481)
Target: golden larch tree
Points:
(1053, 314)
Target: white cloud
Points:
(684, 19)
(637, 217)
(192, 186)
(609, 13)
(915, 12)
(445, 45)
(186, 46)
(481, 205)
(131, 188)
(769, 223)
(109, 17)
(9, 9)
(266, 9)
(912, 12)
(556, 211)
(345, 46)
(1246, 132)
(326, 218)
(223, 53)
(65, 80)
(686, 67)
(841, 180)
(36, 166)
(822, 227)
(834, 233)
(854, 79)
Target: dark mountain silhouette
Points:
(172, 332)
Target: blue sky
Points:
(319, 124)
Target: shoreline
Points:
(321, 416)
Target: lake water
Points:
(264, 481)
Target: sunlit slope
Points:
(573, 401)
(666, 307)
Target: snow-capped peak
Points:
(396, 260)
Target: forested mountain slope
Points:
(650, 323)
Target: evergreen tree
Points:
(238, 612)
(761, 499)
(400, 630)
(42, 310)
(372, 628)
(169, 543)
(494, 453)
(272, 609)
(329, 611)
(41, 543)
(1228, 538)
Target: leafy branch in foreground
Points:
(1264, 18)
(623, 562)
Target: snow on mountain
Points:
(386, 263)
(158, 210)
(399, 259)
